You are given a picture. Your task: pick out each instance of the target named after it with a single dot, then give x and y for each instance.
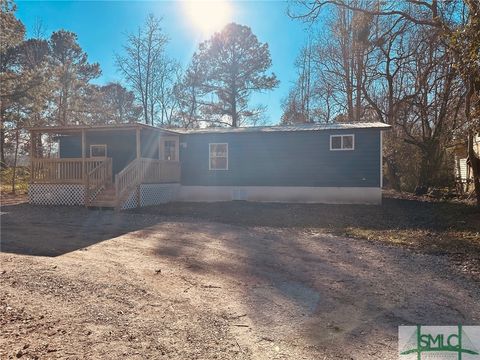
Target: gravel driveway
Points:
(78, 283)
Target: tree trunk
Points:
(424, 177)
(234, 115)
(474, 162)
(431, 162)
(3, 164)
(358, 85)
(392, 174)
(233, 105)
(14, 175)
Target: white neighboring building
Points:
(463, 172)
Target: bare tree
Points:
(143, 58)
(340, 62)
(457, 24)
(298, 106)
(433, 116)
(189, 93)
(331, 72)
(165, 77)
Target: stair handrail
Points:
(97, 179)
(128, 179)
(138, 171)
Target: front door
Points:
(169, 148)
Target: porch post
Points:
(139, 148)
(32, 154)
(83, 156)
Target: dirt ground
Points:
(78, 283)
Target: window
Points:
(99, 151)
(218, 159)
(342, 142)
(170, 150)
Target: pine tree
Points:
(235, 65)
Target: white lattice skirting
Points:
(132, 201)
(74, 194)
(56, 194)
(156, 194)
(151, 194)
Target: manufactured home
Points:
(132, 165)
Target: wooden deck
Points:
(101, 189)
(79, 171)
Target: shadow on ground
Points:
(307, 292)
(343, 296)
(429, 226)
(56, 230)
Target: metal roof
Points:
(220, 130)
(77, 128)
(288, 128)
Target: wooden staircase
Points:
(106, 198)
(101, 192)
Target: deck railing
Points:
(126, 179)
(96, 174)
(144, 170)
(61, 171)
(160, 171)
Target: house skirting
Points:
(150, 195)
(74, 194)
(157, 194)
(293, 194)
(56, 194)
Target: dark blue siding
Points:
(121, 146)
(284, 159)
(150, 144)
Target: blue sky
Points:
(101, 25)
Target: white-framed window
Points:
(169, 148)
(342, 142)
(218, 156)
(98, 151)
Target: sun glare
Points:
(208, 16)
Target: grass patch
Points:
(453, 242)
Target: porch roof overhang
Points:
(69, 129)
